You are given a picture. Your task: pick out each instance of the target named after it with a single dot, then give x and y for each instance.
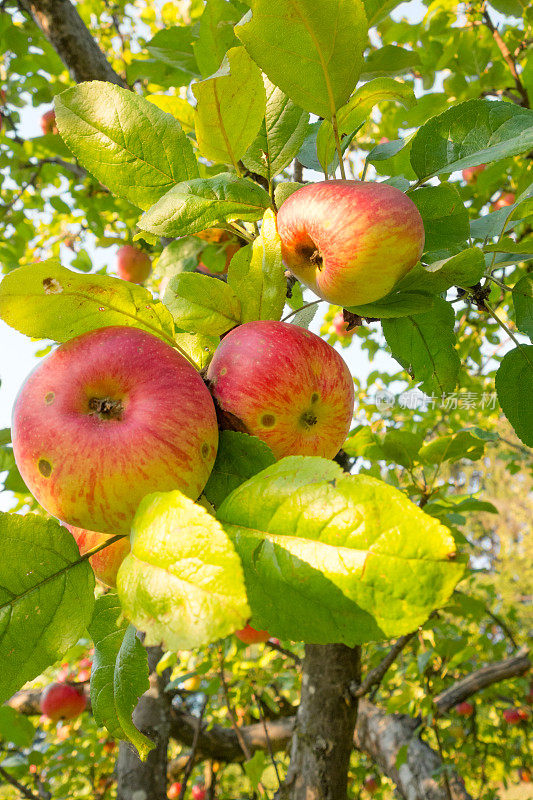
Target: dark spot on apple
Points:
(49, 398)
(308, 419)
(315, 397)
(317, 260)
(106, 408)
(205, 450)
(45, 468)
(268, 420)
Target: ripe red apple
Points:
(464, 709)
(505, 199)
(106, 562)
(249, 635)
(198, 792)
(470, 173)
(525, 775)
(230, 251)
(284, 385)
(48, 122)
(350, 241)
(132, 264)
(174, 790)
(108, 418)
(62, 701)
(371, 784)
(512, 716)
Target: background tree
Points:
(428, 420)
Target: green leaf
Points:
(514, 387)
(182, 583)
(363, 443)
(444, 215)
(15, 727)
(199, 347)
(280, 137)
(523, 305)
(357, 110)
(40, 569)
(402, 447)
(174, 47)
(395, 304)
(283, 191)
(376, 10)
(335, 558)
(202, 304)
(464, 270)
(452, 448)
(424, 346)
(255, 767)
(390, 60)
(119, 673)
(127, 143)
(181, 255)
(196, 205)
(471, 133)
(239, 457)
(215, 35)
(508, 245)
(230, 108)
(312, 51)
(257, 275)
(46, 300)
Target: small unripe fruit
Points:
(350, 241)
(464, 709)
(62, 701)
(133, 265)
(286, 386)
(48, 122)
(249, 635)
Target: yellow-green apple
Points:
(106, 562)
(505, 199)
(62, 701)
(286, 386)
(48, 122)
(250, 635)
(132, 264)
(350, 241)
(470, 173)
(108, 418)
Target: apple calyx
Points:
(106, 408)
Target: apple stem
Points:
(507, 330)
(338, 145)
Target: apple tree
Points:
(311, 569)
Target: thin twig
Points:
(507, 57)
(275, 646)
(22, 789)
(229, 708)
(441, 753)
(376, 675)
(192, 757)
(267, 737)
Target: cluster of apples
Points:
(116, 413)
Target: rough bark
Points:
(323, 736)
(481, 678)
(73, 42)
(148, 780)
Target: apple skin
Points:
(48, 122)
(108, 418)
(350, 241)
(284, 385)
(62, 701)
(133, 265)
(464, 709)
(371, 784)
(106, 563)
(505, 199)
(340, 325)
(514, 716)
(470, 173)
(525, 775)
(174, 790)
(250, 635)
(198, 792)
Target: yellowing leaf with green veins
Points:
(257, 275)
(230, 108)
(177, 106)
(334, 558)
(199, 347)
(357, 111)
(129, 144)
(183, 582)
(46, 300)
(202, 304)
(312, 50)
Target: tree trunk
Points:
(323, 736)
(147, 780)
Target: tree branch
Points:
(70, 37)
(507, 57)
(481, 678)
(376, 675)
